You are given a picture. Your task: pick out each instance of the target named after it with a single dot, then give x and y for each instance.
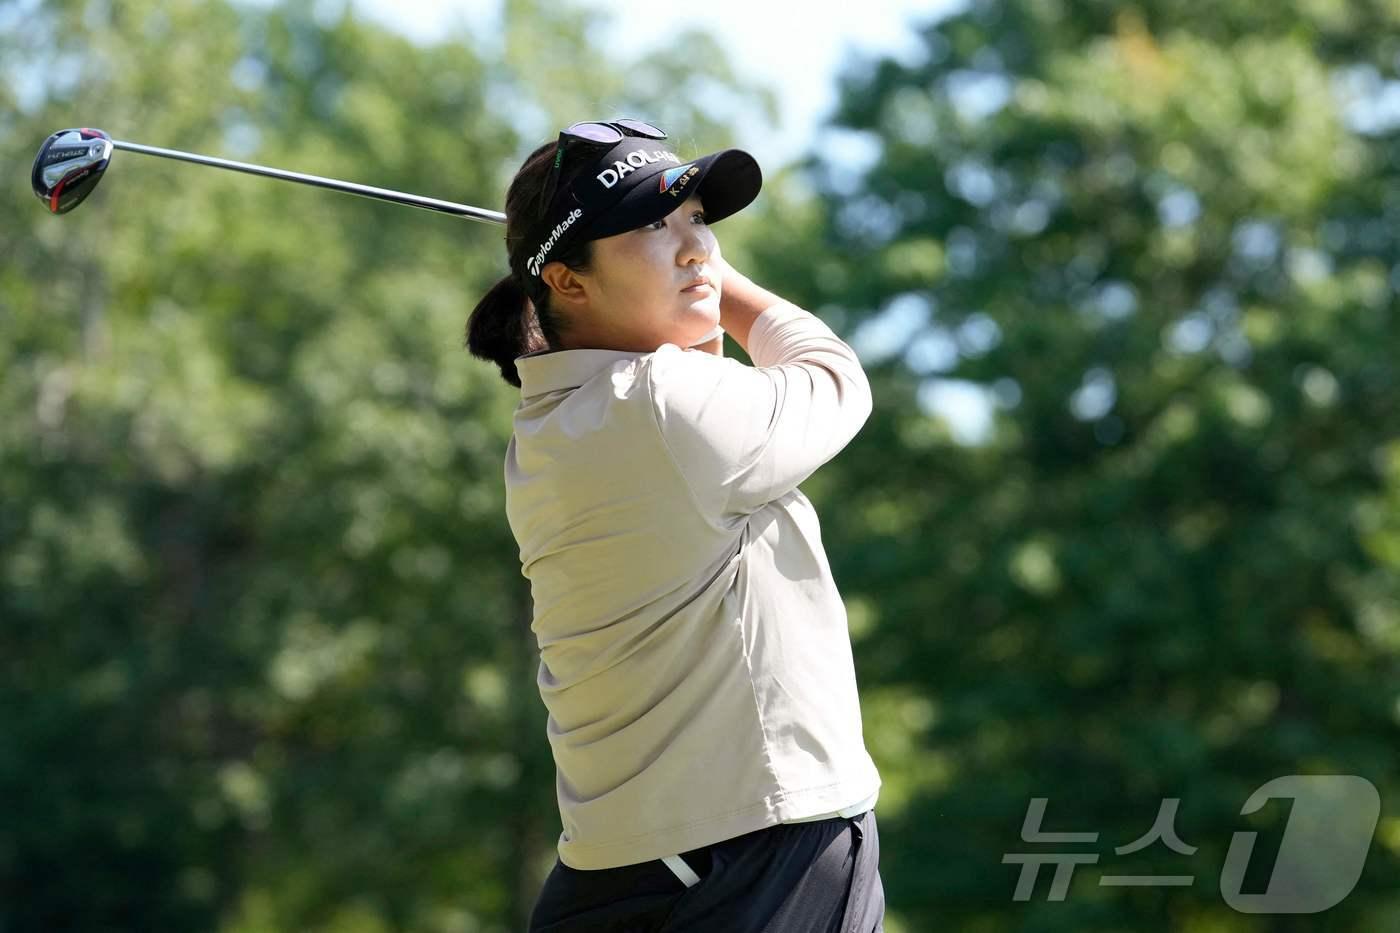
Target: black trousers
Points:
(818, 877)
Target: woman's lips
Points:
(696, 287)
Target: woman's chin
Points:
(706, 303)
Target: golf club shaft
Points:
(382, 194)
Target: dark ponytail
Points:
(500, 327)
(506, 323)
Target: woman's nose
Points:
(696, 246)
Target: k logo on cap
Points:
(675, 180)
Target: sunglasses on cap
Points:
(596, 133)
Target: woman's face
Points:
(641, 290)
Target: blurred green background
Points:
(265, 658)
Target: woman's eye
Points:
(658, 224)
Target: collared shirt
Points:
(695, 660)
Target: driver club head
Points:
(69, 165)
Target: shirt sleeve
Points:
(742, 436)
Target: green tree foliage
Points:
(264, 651)
(265, 646)
(1158, 240)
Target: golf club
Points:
(71, 163)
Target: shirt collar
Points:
(550, 371)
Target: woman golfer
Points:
(695, 660)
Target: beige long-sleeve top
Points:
(695, 659)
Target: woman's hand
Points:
(721, 274)
(740, 300)
(727, 275)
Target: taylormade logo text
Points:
(633, 161)
(537, 260)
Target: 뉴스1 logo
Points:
(1330, 822)
(674, 180)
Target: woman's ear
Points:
(564, 282)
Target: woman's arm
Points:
(743, 436)
(740, 302)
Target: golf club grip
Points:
(367, 191)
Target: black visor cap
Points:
(726, 182)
